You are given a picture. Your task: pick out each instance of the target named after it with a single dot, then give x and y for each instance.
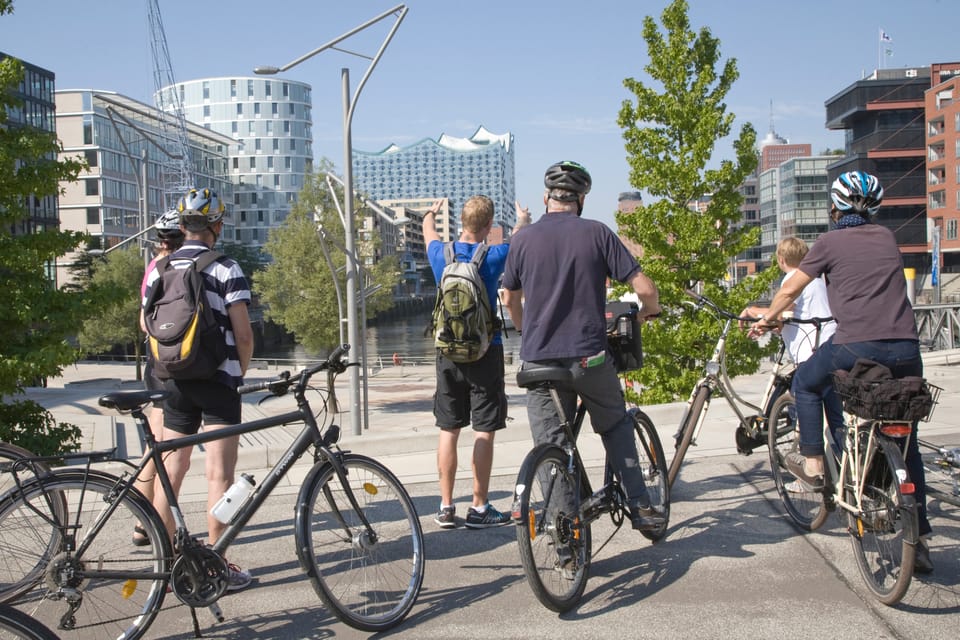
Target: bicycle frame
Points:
(855, 454)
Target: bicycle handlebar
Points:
(281, 383)
(703, 300)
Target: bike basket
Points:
(623, 335)
(911, 398)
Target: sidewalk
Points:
(401, 431)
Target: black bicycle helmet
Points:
(856, 192)
(568, 176)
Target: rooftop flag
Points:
(885, 37)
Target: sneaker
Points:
(922, 563)
(489, 518)
(797, 465)
(446, 517)
(237, 578)
(646, 518)
(798, 486)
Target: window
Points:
(274, 108)
(952, 229)
(206, 111)
(234, 126)
(256, 108)
(286, 90)
(233, 88)
(269, 161)
(251, 127)
(93, 215)
(276, 141)
(206, 90)
(286, 126)
(268, 88)
(90, 155)
(236, 162)
(253, 162)
(259, 217)
(286, 162)
(257, 144)
(249, 88)
(239, 108)
(270, 128)
(92, 187)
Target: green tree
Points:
(249, 258)
(36, 318)
(297, 287)
(671, 131)
(117, 278)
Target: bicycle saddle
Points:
(128, 400)
(530, 377)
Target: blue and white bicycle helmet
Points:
(857, 192)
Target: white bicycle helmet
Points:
(168, 226)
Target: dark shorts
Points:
(471, 392)
(150, 381)
(196, 402)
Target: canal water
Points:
(404, 336)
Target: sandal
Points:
(140, 538)
(797, 465)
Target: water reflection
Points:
(402, 336)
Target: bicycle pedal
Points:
(217, 612)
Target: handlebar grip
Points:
(336, 356)
(261, 386)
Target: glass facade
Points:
(452, 168)
(36, 109)
(271, 121)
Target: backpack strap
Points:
(449, 257)
(205, 259)
(480, 254)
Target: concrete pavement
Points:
(732, 565)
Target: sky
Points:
(549, 72)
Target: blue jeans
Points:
(813, 390)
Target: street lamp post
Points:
(349, 104)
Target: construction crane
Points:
(176, 170)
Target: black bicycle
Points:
(942, 466)
(554, 504)
(357, 533)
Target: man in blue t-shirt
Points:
(469, 392)
(559, 267)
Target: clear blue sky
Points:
(549, 72)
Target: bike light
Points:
(907, 488)
(896, 429)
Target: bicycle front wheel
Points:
(367, 563)
(685, 435)
(94, 584)
(653, 464)
(554, 541)
(804, 506)
(16, 625)
(884, 532)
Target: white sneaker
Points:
(798, 486)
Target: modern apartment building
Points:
(942, 108)
(804, 198)
(37, 110)
(452, 168)
(883, 116)
(271, 121)
(112, 131)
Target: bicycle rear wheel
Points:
(11, 453)
(884, 534)
(95, 584)
(685, 435)
(554, 542)
(16, 625)
(941, 479)
(369, 580)
(804, 507)
(653, 464)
